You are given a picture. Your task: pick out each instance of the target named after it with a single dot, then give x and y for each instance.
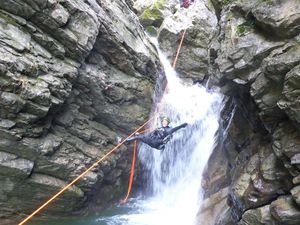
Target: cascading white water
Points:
(175, 173)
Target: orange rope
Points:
(179, 48)
(80, 176)
(132, 169)
(131, 173)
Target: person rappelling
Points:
(159, 137)
(186, 3)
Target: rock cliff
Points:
(75, 77)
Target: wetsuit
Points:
(157, 138)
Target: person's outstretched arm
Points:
(172, 130)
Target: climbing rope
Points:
(179, 48)
(103, 158)
(131, 173)
(132, 169)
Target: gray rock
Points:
(13, 166)
(284, 211)
(242, 47)
(258, 180)
(296, 180)
(295, 159)
(269, 168)
(40, 185)
(200, 23)
(15, 37)
(60, 15)
(10, 103)
(286, 144)
(7, 123)
(51, 182)
(247, 54)
(214, 207)
(19, 8)
(283, 21)
(296, 194)
(290, 97)
(50, 144)
(112, 39)
(258, 216)
(153, 13)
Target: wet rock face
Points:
(167, 21)
(283, 21)
(257, 67)
(200, 23)
(289, 101)
(153, 12)
(74, 77)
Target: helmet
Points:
(165, 118)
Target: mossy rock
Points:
(152, 31)
(153, 15)
(246, 27)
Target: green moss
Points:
(152, 31)
(154, 12)
(8, 19)
(159, 4)
(245, 27)
(151, 14)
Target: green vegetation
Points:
(151, 14)
(151, 30)
(9, 19)
(154, 12)
(159, 4)
(245, 27)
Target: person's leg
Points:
(150, 140)
(138, 137)
(131, 139)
